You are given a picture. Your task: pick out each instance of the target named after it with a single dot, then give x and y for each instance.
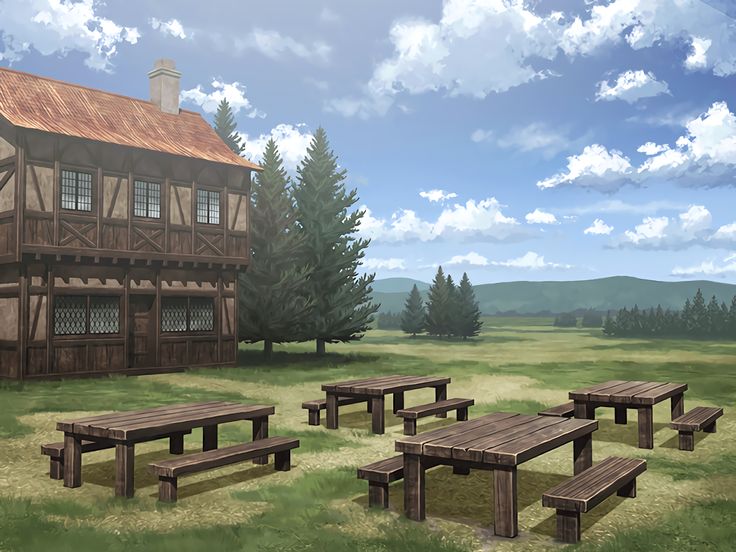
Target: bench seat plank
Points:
(383, 471)
(565, 410)
(321, 404)
(429, 409)
(697, 418)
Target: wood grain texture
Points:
(505, 511)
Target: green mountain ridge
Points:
(600, 294)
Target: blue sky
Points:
(538, 140)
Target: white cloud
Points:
(632, 86)
(652, 229)
(695, 219)
(540, 217)
(274, 45)
(329, 16)
(171, 27)
(690, 227)
(481, 135)
(618, 206)
(482, 221)
(727, 232)
(60, 27)
(536, 136)
(531, 261)
(233, 92)
(704, 156)
(698, 57)
(708, 269)
(435, 196)
(383, 264)
(472, 258)
(599, 228)
(292, 141)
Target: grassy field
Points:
(686, 501)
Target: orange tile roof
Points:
(39, 103)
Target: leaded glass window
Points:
(147, 199)
(173, 314)
(208, 207)
(104, 315)
(70, 315)
(202, 314)
(76, 190)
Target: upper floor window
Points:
(208, 207)
(76, 190)
(147, 199)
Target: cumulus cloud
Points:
(704, 156)
(233, 92)
(530, 261)
(619, 206)
(472, 258)
(726, 267)
(171, 27)
(632, 86)
(275, 45)
(59, 27)
(383, 264)
(292, 141)
(599, 228)
(540, 217)
(481, 135)
(482, 220)
(535, 137)
(690, 227)
(435, 196)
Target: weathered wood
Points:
(55, 452)
(582, 453)
(209, 437)
(462, 414)
(584, 410)
(260, 431)
(628, 490)
(378, 423)
(332, 416)
(686, 440)
(124, 470)
(568, 526)
(566, 410)
(398, 402)
(167, 489)
(620, 415)
(314, 406)
(176, 444)
(414, 487)
(410, 426)
(504, 497)
(428, 409)
(383, 471)
(72, 461)
(440, 394)
(281, 460)
(460, 470)
(646, 427)
(677, 406)
(377, 495)
(313, 417)
(700, 418)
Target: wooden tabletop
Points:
(384, 385)
(629, 392)
(504, 438)
(162, 420)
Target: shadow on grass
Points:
(628, 434)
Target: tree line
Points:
(696, 319)
(591, 319)
(451, 309)
(302, 282)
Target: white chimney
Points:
(165, 86)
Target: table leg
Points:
(176, 443)
(619, 415)
(440, 394)
(331, 411)
(414, 487)
(378, 425)
(72, 461)
(124, 466)
(505, 508)
(369, 406)
(209, 437)
(584, 410)
(260, 431)
(398, 402)
(646, 428)
(582, 453)
(677, 405)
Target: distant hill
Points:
(398, 285)
(601, 294)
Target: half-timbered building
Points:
(123, 224)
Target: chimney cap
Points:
(164, 66)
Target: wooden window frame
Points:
(92, 211)
(208, 191)
(148, 182)
(188, 331)
(87, 316)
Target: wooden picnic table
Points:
(639, 395)
(500, 442)
(374, 390)
(124, 429)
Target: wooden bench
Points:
(321, 404)
(411, 415)
(168, 471)
(379, 475)
(561, 410)
(700, 418)
(55, 452)
(589, 488)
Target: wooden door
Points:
(142, 328)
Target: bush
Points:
(389, 321)
(592, 319)
(566, 320)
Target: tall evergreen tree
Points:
(468, 323)
(273, 307)
(438, 305)
(414, 317)
(731, 326)
(224, 125)
(699, 315)
(342, 307)
(453, 313)
(713, 324)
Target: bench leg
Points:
(582, 453)
(398, 402)
(56, 467)
(620, 415)
(369, 406)
(378, 423)
(260, 431)
(646, 428)
(124, 469)
(710, 428)
(176, 444)
(209, 438)
(414, 487)
(314, 417)
(568, 526)
(677, 406)
(72, 461)
(687, 440)
(167, 489)
(282, 460)
(410, 427)
(462, 414)
(460, 470)
(440, 394)
(628, 490)
(506, 523)
(377, 495)
(584, 410)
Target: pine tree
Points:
(699, 315)
(342, 307)
(686, 318)
(453, 313)
(225, 127)
(438, 305)
(273, 307)
(609, 325)
(414, 316)
(467, 320)
(713, 318)
(731, 331)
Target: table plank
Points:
(120, 418)
(582, 394)
(375, 383)
(427, 382)
(625, 397)
(346, 383)
(658, 394)
(443, 446)
(606, 394)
